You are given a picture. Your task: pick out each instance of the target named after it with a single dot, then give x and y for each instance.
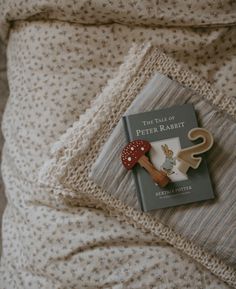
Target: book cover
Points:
(167, 131)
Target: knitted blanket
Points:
(75, 155)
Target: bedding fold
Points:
(170, 13)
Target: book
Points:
(167, 131)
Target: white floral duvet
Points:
(60, 55)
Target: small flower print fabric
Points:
(60, 55)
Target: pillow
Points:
(72, 170)
(210, 223)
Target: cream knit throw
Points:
(72, 157)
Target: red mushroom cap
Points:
(133, 151)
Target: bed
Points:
(60, 56)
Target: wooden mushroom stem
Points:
(159, 177)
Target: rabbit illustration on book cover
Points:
(170, 161)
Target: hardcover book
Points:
(167, 131)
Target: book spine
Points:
(128, 134)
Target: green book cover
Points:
(167, 131)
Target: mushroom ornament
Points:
(134, 152)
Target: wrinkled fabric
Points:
(60, 56)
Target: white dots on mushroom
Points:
(129, 159)
(142, 148)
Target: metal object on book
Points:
(134, 152)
